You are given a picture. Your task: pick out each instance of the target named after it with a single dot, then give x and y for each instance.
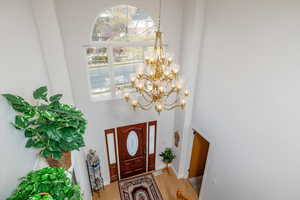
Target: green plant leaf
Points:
(45, 153)
(54, 134)
(55, 98)
(57, 155)
(38, 144)
(28, 133)
(19, 104)
(14, 99)
(29, 143)
(48, 115)
(41, 93)
(21, 122)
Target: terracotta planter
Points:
(64, 162)
(167, 166)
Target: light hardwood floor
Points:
(168, 185)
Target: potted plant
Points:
(167, 157)
(47, 184)
(51, 126)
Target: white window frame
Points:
(110, 45)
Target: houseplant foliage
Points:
(167, 156)
(46, 184)
(41, 196)
(51, 126)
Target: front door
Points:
(132, 149)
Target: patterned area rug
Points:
(139, 188)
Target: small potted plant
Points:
(51, 126)
(47, 184)
(167, 157)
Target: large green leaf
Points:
(45, 153)
(54, 134)
(41, 93)
(29, 143)
(13, 99)
(20, 105)
(56, 97)
(38, 144)
(48, 115)
(21, 122)
(29, 133)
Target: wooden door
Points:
(199, 156)
(132, 149)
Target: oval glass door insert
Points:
(132, 143)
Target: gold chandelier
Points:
(157, 82)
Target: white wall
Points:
(76, 19)
(247, 100)
(192, 35)
(21, 71)
(52, 48)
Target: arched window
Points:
(120, 38)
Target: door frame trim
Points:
(112, 131)
(151, 123)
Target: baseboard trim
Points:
(175, 172)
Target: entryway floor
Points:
(167, 183)
(196, 183)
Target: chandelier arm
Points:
(146, 106)
(174, 106)
(146, 98)
(170, 92)
(148, 94)
(147, 77)
(174, 102)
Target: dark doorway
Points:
(198, 161)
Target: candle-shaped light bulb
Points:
(158, 108)
(151, 73)
(170, 60)
(140, 86)
(161, 88)
(183, 103)
(147, 59)
(186, 93)
(134, 103)
(175, 69)
(126, 96)
(133, 79)
(151, 61)
(167, 71)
